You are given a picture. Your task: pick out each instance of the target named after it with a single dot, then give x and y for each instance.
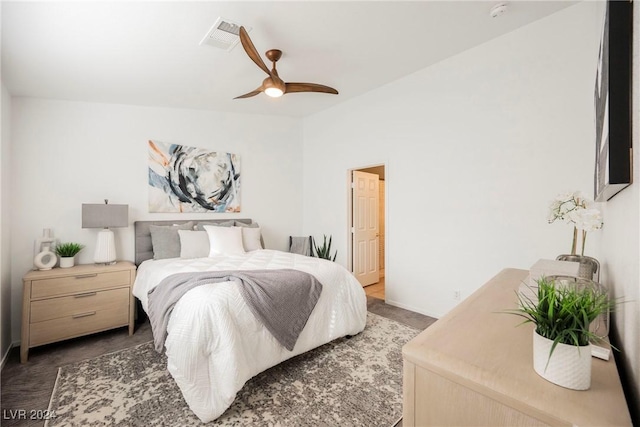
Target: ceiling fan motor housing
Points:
(273, 85)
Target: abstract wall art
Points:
(191, 179)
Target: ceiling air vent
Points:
(223, 34)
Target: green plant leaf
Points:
(323, 251)
(564, 311)
(68, 249)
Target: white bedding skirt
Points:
(215, 344)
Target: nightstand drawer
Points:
(78, 324)
(78, 284)
(55, 308)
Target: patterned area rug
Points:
(348, 382)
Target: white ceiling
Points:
(148, 53)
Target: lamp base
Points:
(105, 248)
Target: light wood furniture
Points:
(66, 303)
(473, 367)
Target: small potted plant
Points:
(67, 252)
(562, 313)
(323, 251)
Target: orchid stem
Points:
(575, 240)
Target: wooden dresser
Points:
(66, 303)
(473, 367)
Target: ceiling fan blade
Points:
(309, 87)
(248, 46)
(250, 94)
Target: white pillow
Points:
(224, 240)
(251, 238)
(193, 244)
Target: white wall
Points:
(5, 224)
(620, 240)
(69, 153)
(475, 147)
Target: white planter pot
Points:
(569, 366)
(66, 261)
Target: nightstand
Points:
(66, 303)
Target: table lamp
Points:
(105, 216)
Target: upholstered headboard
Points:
(143, 246)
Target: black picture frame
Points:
(613, 168)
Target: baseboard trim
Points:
(410, 308)
(5, 356)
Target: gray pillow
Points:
(201, 224)
(244, 224)
(166, 241)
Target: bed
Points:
(214, 343)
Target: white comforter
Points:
(215, 344)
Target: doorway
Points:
(366, 227)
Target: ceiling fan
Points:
(273, 85)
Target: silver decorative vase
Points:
(589, 267)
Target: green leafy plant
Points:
(564, 311)
(68, 249)
(323, 251)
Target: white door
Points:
(365, 227)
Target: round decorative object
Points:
(569, 366)
(66, 261)
(45, 260)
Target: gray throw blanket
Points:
(282, 300)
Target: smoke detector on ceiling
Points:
(224, 34)
(498, 10)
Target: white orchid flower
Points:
(575, 207)
(588, 219)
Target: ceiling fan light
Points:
(273, 92)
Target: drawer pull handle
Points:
(87, 294)
(77, 316)
(84, 276)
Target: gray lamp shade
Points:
(104, 215)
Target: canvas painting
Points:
(191, 179)
(601, 98)
(613, 168)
